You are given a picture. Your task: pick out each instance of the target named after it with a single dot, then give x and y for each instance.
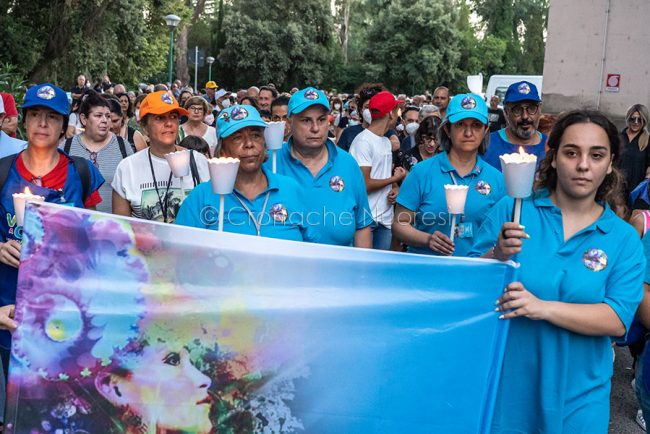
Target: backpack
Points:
(80, 164)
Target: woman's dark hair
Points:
(129, 110)
(114, 105)
(252, 101)
(429, 127)
(91, 100)
(197, 144)
(367, 91)
(611, 189)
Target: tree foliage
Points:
(410, 45)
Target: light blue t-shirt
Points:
(336, 197)
(554, 380)
(500, 145)
(9, 145)
(278, 211)
(423, 192)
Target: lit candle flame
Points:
(27, 191)
(521, 150)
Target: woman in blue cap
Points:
(46, 171)
(262, 203)
(579, 283)
(421, 218)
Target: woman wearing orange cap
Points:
(144, 185)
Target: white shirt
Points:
(134, 182)
(371, 150)
(210, 136)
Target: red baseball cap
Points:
(382, 104)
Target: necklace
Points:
(163, 205)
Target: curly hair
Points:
(611, 189)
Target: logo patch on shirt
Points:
(311, 94)
(468, 103)
(483, 188)
(239, 113)
(337, 184)
(167, 98)
(524, 89)
(595, 260)
(279, 213)
(46, 92)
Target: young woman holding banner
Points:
(579, 284)
(421, 218)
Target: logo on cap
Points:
(239, 113)
(311, 94)
(46, 92)
(468, 103)
(167, 98)
(523, 88)
(225, 116)
(336, 184)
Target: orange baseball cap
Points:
(160, 103)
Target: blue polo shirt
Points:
(279, 210)
(336, 197)
(423, 192)
(554, 380)
(9, 145)
(500, 145)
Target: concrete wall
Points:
(573, 65)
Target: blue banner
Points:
(134, 326)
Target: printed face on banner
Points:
(146, 327)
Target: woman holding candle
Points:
(422, 221)
(44, 171)
(579, 283)
(144, 186)
(262, 203)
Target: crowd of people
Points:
(369, 170)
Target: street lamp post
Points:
(172, 22)
(210, 61)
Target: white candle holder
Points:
(274, 138)
(519, 175)
(179, 163)
(456, 196)
(20, 199)
(223, 174)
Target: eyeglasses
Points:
(196, 108)
(428, 139)
(635, 120)
(518, 110)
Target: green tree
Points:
(285, 42)
(414, 45)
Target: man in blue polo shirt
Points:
(336, 195)
(523, 108)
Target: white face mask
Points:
(367, 117)
(412, 128)
(137, 115)
(352, 122)
(337, 106)
(400, 127)
(225, 103)
(209, 119)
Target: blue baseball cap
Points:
(237, 117)
(521, 91)
(467, 105)
(305, 98)
(47, 95)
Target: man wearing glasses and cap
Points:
(523, 108)
(210, 89)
